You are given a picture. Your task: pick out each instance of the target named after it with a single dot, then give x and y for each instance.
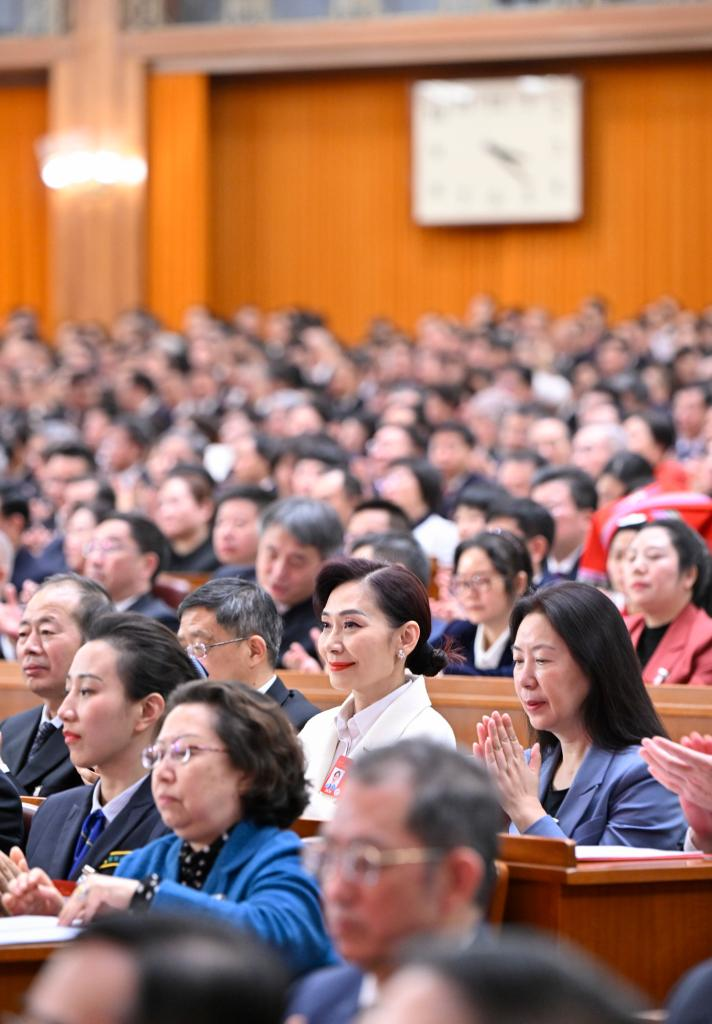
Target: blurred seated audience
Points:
(416, 487)
(236, 529)
(184, 512)
(375, 515)
(297, 535)
(492, 571)
(125, 554)
(569, 495)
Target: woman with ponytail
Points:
(374, 643)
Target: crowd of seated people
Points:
(504, 494)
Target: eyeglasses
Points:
(199, 649)
(104, 547)
(362, 862)
(178, 752)
(458, 584)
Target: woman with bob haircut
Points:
(668, 577)
(579, 682)
(491, 570)
(374, 643)
(117, 688)
(228, 780)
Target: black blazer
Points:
(297, 622)
(57, 824)
(156, 609)
(50, 770)
(12, 832)
(294, 704)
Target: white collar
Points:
(491, 657)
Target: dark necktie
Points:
(43, 734)
(92, 827)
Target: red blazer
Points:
(684, 655)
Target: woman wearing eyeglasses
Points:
(491, 571)
(228, 780)
(117, 687)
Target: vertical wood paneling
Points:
(179, 215)
(310, 198)
(23, 206)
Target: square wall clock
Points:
(497, 150)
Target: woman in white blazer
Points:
(374, 643)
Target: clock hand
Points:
(502, 153)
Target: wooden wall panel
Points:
(310, 198)
(178, 212)
(23, 202)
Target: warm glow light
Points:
(83, 167)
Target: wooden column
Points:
(96, 236)
(179, 215)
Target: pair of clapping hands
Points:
(517, 778)
(28, 890)
(685, 768)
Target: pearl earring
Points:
(401, 654)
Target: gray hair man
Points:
(233, 628)
(52, 628)
(409, 854)
(297, 535)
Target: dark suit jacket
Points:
(328, 996)
(12, 832)
(57, 824)
(156, 609)
(295, 706)
(684, 655)
(297, 622)
(690, 1000)
(50, 770)
(462, 632)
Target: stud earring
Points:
(401, 654)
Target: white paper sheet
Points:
(32, 928)
(633, 853)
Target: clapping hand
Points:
(686, 769)
(517, 780)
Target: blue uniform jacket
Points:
(613, 801)
(257, 882)
(462, 632)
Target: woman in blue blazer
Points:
(228, 779)
(579, 681)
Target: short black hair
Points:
(149, 657)
(257, 496)
(631, 469)
(428, 478)
(70, 449)
(524, 976)
(480, 495)
(507, 553)
(532, 518)
(261, 742)
(580, 484)
(398, 518)
(398, 548)
(146, 535)
(454, 427)
(194, 969)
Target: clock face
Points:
(497, 150)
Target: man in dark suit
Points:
(125, 554)
(409, 853)
(52, 629)
(569, 495)
(297, 535)
(232, 626)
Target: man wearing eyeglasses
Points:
(409, 853)
(233, 628)
(125, 554)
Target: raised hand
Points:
(517, 780)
